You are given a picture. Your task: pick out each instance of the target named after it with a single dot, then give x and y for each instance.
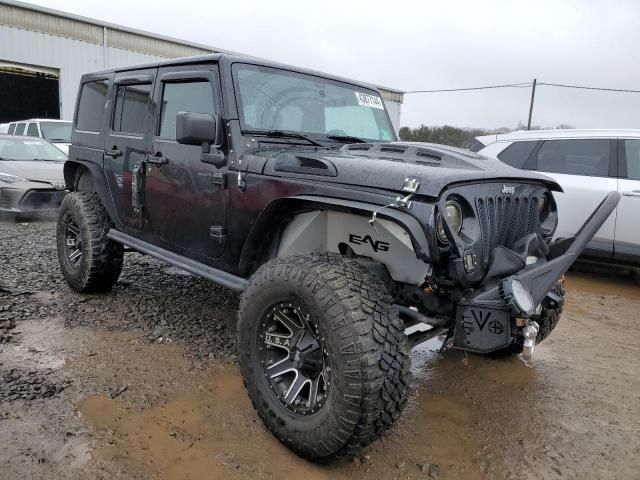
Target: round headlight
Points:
(517, 296)
(543, 202)
(453, 212)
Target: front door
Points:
(127, 141)
(185, 198)
(627, 245)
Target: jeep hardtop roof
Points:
(230, 59)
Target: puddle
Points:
(209, 433)
(212, 431)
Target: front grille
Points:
(42, 200)
(504, 220)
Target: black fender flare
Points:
(99, 180)
(280, 209)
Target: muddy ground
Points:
(142, 383)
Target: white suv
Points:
(57, 132)
(587, 164)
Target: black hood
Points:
(387, 165)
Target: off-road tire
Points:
(547, 321)
(101, 262)
(367, 351)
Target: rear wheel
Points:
(90, 261)
(323, 354)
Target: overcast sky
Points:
(428, 45)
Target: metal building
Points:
(43, 53)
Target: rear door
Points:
(586, 168)
(185, 198)
(127, 140)
(627, 238)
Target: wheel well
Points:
(78, 178)
(292, 227)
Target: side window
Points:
(632, 154)
(196, 97)
(12, 128)
(575, 157)
(91, 108)
(20, 128)
(517, 153)
(132, 106)
(32, 130)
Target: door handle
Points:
(633, 193)
(156, 160)
(113, 152)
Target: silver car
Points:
(31, 177)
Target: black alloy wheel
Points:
(73, 243)
(294, 358)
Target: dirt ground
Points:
(142, 383)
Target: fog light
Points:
(517, 297)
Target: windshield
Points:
(272, 99)
(58, 132)
(29, 149)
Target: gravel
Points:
(19, 384)
(164, 303)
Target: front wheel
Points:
(323, 354)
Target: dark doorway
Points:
(26, 93)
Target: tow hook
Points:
(530, 333)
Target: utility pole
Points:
(533, 95)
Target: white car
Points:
(587, 164)
(4, 127)
(57, 132)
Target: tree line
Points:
(457, 137)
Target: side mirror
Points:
(201, 129)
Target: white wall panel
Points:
(72, 58)
(394, 109)
(118, 57)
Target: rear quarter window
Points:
(517, 153)
(20, 128)
(93, 96)
(12, 129)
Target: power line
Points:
(582, 87)
(525, 85)
(487, 87)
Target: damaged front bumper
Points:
(487, 319)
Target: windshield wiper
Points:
(284, 134)
(347, 138)
(60, 140)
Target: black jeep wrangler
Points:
(289, 186)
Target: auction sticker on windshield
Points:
(367, 100)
